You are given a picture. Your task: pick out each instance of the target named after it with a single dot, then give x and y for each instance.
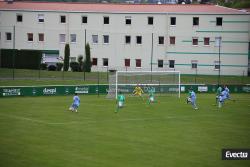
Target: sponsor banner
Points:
(49, 91)
(103, 89)
(246, 89)
(183, 88)
(82, 90)
(235, 154)
(202, 88)
(11, 92)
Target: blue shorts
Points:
(75, 105)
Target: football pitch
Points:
(41, 132)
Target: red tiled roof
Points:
(118, 8)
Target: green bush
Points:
(87, 62)
(20, 59)
(59, 66)
(52, 68)
(43, 66)
(66, 57)
(74, 66)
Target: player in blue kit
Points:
(222, 98)
(75, 104)
(192, 97)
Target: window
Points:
(62, 38)
(84, 19)
(128, 20)
(216, 65)
(127, 39)
(94, 61)
(206, 41)
(219, 21)
(73, 38)
(19, 18)
(172, 40)
(63, 19)
(138, 63)
(161, 40)
(127, 62)
(30, 37)
(218, 41)
(40, 18)
(105, 62)
(195, 21)
(194, 64)
(139, 39)
(171, 63)
(195, 41)
(41, 37)
(95, 38)
(8, 36)
(150, 20)
(160, 63)
(105, 20)
(172, 21)
(105, 39)
(72, 59)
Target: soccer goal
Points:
(163, 82)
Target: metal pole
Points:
(195, 74)
(219, 61)
(107, 73)
(13, 54)
(179, 95)
(152, 52)
(116, 79)
(85, 32)
(98, 82)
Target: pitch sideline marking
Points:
(89, 121)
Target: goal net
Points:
(163, 82)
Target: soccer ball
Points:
(70, 108)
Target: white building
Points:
(132, 37)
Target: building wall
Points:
(233, 51)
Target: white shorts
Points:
(120, 103)
(151, 99)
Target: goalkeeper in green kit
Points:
(120, 101)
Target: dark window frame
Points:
(173, 21)
(84, 19)
(160, 63)
(196, 21)
(171, 64)
(139, 40)
(106, 20)
(150, 20)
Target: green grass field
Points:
(41, 132)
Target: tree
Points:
(87, 61)
(66, 57)
(80, 61)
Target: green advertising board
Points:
(52, 90)
(6, 91)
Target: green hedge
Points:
(20, 59)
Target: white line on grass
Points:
(89, 121)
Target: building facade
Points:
(188, 38)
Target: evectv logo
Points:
(235, 154)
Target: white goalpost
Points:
(163, 82)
